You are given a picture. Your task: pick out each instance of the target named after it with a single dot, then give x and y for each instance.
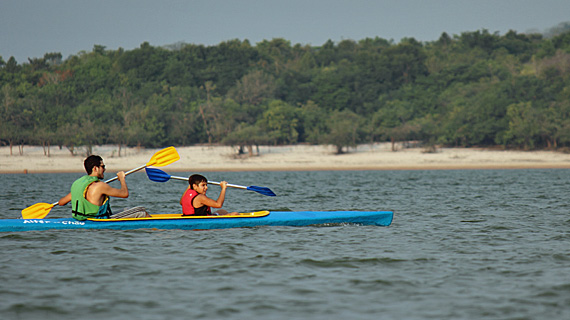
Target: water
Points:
(464, 244)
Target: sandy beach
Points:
(279, 158)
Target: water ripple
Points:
(471, 244)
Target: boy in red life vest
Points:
(195, 202)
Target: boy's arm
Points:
(203, 199)
(183, 194)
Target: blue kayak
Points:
(177, 221)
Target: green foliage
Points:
(343, 129)
(312, 125)
(472, 89)
(280, 123)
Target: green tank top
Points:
(81, 208)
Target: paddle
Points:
(158, 175)
(159, 159)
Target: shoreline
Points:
(376, 156)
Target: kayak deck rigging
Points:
(178, 216)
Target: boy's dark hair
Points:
(92, 161)
(195, 179)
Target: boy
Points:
(195, 202)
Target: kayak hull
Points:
(274, 218)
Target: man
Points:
(89, 195)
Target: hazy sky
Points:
(31, 28)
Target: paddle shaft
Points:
(127, 173)
(211, 182)
(158, 175)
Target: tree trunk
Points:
(205, 125)
(45, 146)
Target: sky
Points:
(31, 28)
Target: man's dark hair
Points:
(92, 161)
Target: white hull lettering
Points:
(39, 221)
(77, 223)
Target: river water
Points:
(464, 244)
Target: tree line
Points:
(473, 89)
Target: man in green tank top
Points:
(89, 195)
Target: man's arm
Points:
(106, 189)
(64, 200)
(97, 191)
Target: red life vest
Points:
(188, 207)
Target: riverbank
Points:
(285, 158)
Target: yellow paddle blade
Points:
(37, 211)
(164, 157)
